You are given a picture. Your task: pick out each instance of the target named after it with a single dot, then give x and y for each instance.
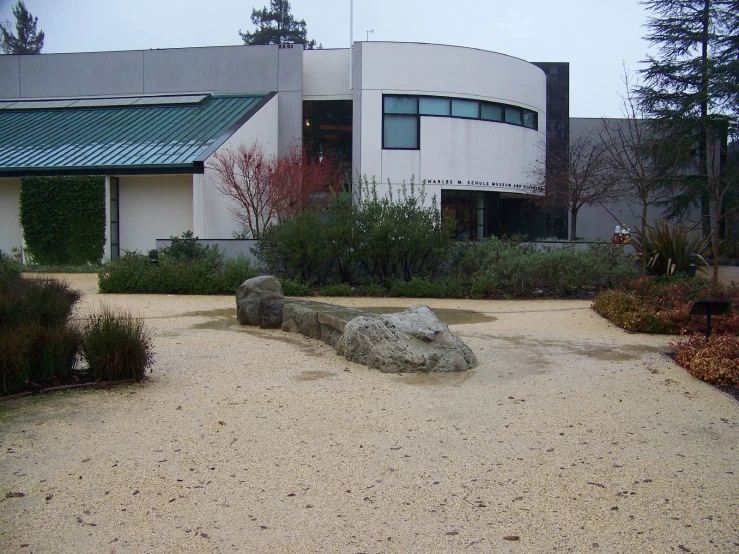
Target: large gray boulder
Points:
(414, 341)
(259, 301)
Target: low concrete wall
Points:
(231, 248)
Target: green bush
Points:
(133, 273)
(370, 289)
(361, 240)
(341, 289)
(116, 345)
(63, 219)
(663, 244)
(186, 248)
(291, 287)
(417, 288)
(36, 341)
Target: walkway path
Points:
(572, 435)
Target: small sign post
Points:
(709, 308)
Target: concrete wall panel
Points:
(11, 234)
(326, 75)
(153, 207)
(223, 70)
(290, 69)
(83, 74)
(10, 77)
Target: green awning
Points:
(134, 135)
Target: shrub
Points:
(133, 273)
(341, 289)
(662, 305)
(417, 288)
(663, 244)
(292, 287)
(116, 345)
(714, 360)
(370, 289)
(35, 341)
(63, 219)
(187, 248)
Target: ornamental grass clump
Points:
(116, 345)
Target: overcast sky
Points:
(597, 37)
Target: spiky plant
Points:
(668, 249)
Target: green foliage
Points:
(663, 244)
(417, 288)
(63, 219)
(714, 360)
(341, 289)
(495, 268)
(26, 39)
(369, 240)
(133, 273)
(291, 287)
(186, 248)
(277, 25)
(116, 345)
(662, 305)
(35, 341)
(370, 289)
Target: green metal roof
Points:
(168, 138)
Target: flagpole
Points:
(351, 44)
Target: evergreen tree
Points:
(26, 40)
(277, 25)
(685, 83)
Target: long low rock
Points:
(414, 341)
(318, 320)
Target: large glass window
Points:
(401, 104)
(402, 116)
(492, 112)
(465, 108)
(401, 131)
(327, 132)
(434, 106)
(513, 115)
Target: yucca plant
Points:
(668, 249)
(116, 345)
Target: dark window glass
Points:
(529, 119)
(400, 131)
(513, 115)
(491, 112)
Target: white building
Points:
(469, 124)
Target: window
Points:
(400, 131)
(465, 108)
(529, 119)
(401, 123)
(513, 115)
(492, 112)
(434, 106)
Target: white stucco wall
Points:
(11, 235)
(218, 222)
(326, 75)
(461, 153)
(153, 207)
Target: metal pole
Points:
(351, 44)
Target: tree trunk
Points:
(703, 140)
(714, 250)
(573, 224)
(643, 238)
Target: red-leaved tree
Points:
(267, 190)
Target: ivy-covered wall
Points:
(63, 219)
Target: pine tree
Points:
(685, 87)
(277, 25)
(26, 40)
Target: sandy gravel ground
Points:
(571, 434)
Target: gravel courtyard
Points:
(570, 436)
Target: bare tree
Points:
(267, 190)
(644, 160)
(578, 174)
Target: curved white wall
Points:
(460, 153)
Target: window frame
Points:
(480, 103)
